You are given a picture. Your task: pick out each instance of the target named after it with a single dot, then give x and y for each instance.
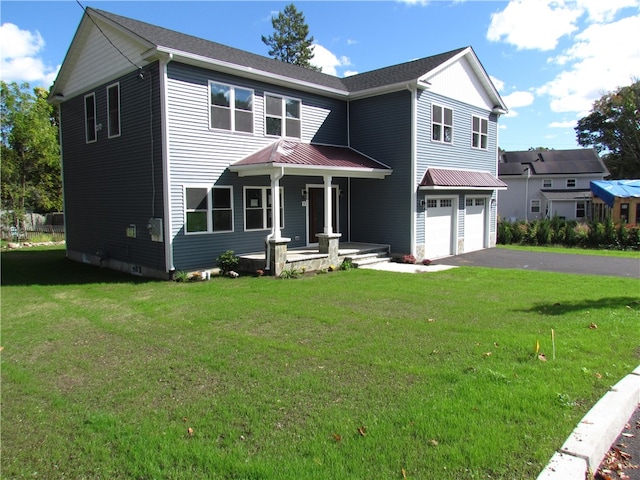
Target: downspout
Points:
(414, 167)
(166, 171)
(526, 195)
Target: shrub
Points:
(292, 273)
(346, 264)
(408, 259)
(181, 276)
(227, 262)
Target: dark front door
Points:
(316, 212)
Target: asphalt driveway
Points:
(550, 262)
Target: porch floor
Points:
(299, 254)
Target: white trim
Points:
(486, 135)
(414, 171)
(166, 170)
(335, 192)
(86, 118)
(283, 117)
(109, 135)
(265, 218)
(232, 108)
(442, 124)
(453, 250)
(210, 207)
(486, 218)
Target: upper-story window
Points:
(90, 126)
(547, 183)
(571, 183)
(113, 110)
(442, 124)
(231, 108)
(480, 129)
(282, 116)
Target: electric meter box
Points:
(155, 229)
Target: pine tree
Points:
(290, 41)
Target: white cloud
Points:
(566, 124)
(603, 57)
(20, 61)
(534, 24)
(605, 11)
(348, 73)
(518, 99)
(328, 61)
(499, 84)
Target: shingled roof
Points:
(166, 40)
(549, 162)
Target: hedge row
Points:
(570, 233)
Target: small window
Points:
(469, 202)
(442, 124)
(479, 202)
(547, 183)
(231, 108)
(571, 183)
(535, 206)
(479, 134)
(581, 209)
(258, 207)
(91, 128)
(113, 110)
(446, 202)
(432, 203)
(208, 209)
(282, 117)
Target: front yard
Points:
(354, 374)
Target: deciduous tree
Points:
(613, 129)
(31, 172)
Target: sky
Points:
(548, 59)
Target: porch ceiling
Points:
(295, 158)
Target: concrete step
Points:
(369, 258)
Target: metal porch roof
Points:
(460, 179)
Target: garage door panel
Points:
(439, 227)
(474, 224)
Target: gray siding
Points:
(199, 155)
(459, 154)
(115, 182)
(381, 209)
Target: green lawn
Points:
(355, 374)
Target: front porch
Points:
(311, 259)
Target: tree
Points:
(31, 173)
(613, 129)
(290, 41)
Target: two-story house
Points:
(547, 183)
(177, 149)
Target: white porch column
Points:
(328, 208)
(275, 205)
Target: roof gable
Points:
(143, 43)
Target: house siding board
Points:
(459, 154)
(381, 209)
(199, 155)
(113, 183)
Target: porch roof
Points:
(447, 179)
(296, 158)
(567, 195)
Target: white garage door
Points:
(474, 224)
(439, 227)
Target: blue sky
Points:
(549, 59)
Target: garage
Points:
(475, 223)
(439, 226)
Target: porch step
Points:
(369, 258)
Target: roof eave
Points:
(459, 187)
(305, 170)
(246, 72)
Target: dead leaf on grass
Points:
(404, 473)
(488, 354)
(593, 326)
(337, 437)
(433, 442)
(542, 357)
(362, 431)
(190, 431)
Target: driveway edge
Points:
(589, 442)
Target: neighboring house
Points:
(547, 183)
(616, 199)
(177, 149)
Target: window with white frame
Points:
(442, 124)
(208, 210)
(282, 116)
(479, 134)
(581, 209)
(535, 206)
(571, 183)
(90, 126)
(547, 183)
(258, 206)
(113, 110)
(231, 108)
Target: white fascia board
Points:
(308, 170)
(444, 187)
(395, 87)
(248, 72)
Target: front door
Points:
(315, 212)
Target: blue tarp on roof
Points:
(608, 190)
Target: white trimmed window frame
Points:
(210, 208)
(581, 209)
(547, 183)
(571, 183)
(442, 125)
(282, 116)
(535, 206)
(113, 111)
(88, 120)
(263, 206)
(233, 109)
(479, 136)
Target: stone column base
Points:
(277, 255)
(329, 243)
